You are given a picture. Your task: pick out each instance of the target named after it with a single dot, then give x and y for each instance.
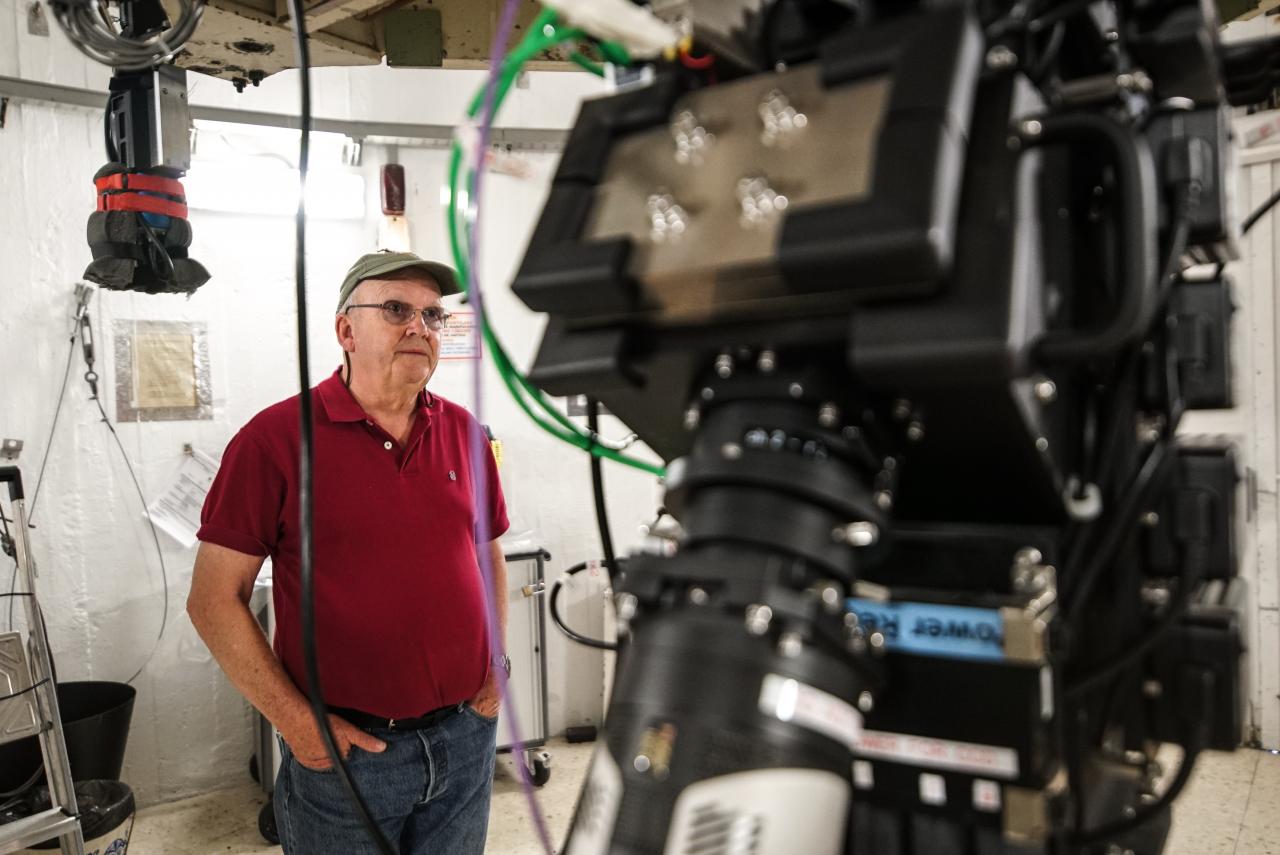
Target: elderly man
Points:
(405, 664)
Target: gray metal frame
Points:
(541, 556)
(62, 820)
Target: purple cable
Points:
(479, 445)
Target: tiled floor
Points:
(1231, 807)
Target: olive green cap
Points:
(380, 263)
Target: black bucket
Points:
(107, 811)
(95, 722)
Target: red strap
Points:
(143, 204)
(137, 181)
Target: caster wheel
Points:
(539, 768)
(267, 823)
(253, 769)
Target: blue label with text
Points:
(926, 629)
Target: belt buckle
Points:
(391, 724)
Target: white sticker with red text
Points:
(946, 754)
(793, 701)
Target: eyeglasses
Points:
(402, 314)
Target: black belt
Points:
(366, 721)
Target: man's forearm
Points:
(237, 642)
(499, 562)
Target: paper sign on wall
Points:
(177, 511)
(458, 340)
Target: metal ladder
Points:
(31, 702)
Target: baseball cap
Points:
(375, 264)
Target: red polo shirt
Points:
(400, 604)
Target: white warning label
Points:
(988, 760)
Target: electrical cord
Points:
(554, 608)
(314, 691)
(597, 489)
(155, 538)
(543, 34)
(1195, 744)
(1249, 222)
(85, 325)
(90, 29)
(1150, 474)
(48, 445)
(29, 689)
(1138, 647)
(477, 446)
(20, 791)
(1111, 540)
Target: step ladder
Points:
(31, 701)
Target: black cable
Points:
(597, 487)
(37, 684)
(1057, 14)
(1049, 54)
(1187, 203)
(155, 538)
(48, 445)
(1112, 538)
(1138, 647)
(57, 411)
(1249, 222)
(21, 790)
(315, 695)
(1258, 213)
(1155, 464)
(1196, 744)
(554, 608)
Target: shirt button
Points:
(387, 445)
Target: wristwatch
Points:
(502, 661)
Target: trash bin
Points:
(95, 722)
(107, 810)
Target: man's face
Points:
(396, 354)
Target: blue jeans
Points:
(429, 793)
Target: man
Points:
(401, 615)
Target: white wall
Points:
(100, 581)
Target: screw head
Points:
(1046, 391)
(698, 596)
(627, 605)
(866, 702)
(724, 366)
(731, 451)
(1032, 128)
(758, 619)
(861, 533)
(790, 645)
(767, 361)
(1000, 57)
(1028, 555)
(829, 593)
